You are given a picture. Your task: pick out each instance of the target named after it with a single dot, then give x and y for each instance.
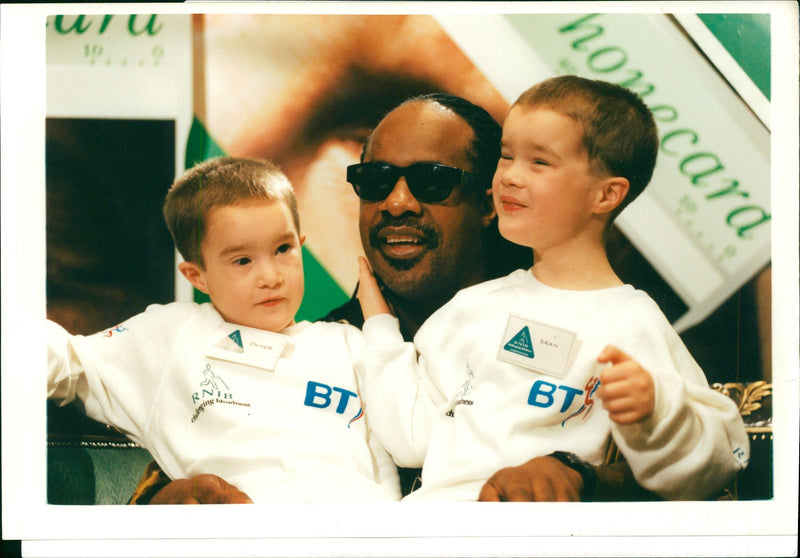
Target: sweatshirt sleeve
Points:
(386, 470)
(116, 373)
(694, 443)
(401, 398)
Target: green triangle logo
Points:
(232, 342)
(237, 338)
(521, 344)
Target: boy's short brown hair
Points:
(619, 131)
(221, 182)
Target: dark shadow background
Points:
(109, 255)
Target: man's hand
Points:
(626, 389)
(369, 293)
(542, 479)
(202, 489)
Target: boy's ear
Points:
(612, 191)
(194, 274)
(489, 212)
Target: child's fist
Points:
(369, 293)
(626, 389)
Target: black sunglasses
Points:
(428, 182)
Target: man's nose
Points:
(400, 200)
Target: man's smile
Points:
(402, 242)
(405, 240)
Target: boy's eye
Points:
(242, 261)
(283, 248)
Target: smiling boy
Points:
(559, 359)
(234, 388)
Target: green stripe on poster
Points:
(200, 146)
(746, 37)
(322, 292)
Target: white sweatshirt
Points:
(506, 371)
(293, 434)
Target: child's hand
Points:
(369, 293)
(626, 389)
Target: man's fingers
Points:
(542, 479)
(489, 493)
(188, 500)
(220, 491)
(202, 489)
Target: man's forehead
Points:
(421, 133)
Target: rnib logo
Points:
(521, 344)
(211, 379)
(211, 386)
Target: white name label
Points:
(536, 346)
(247, 345)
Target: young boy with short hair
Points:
(234, 387)
(514, 367)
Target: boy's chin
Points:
(514, 236)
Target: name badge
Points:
(247, 345)
(537, 346)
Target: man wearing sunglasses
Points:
(428, 228)
(426, 216)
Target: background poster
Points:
(304, 89)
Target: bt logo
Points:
(321, 396)
(543, 394)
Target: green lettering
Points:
(77, 25)
(618, 59)
(595, 30)
(669, 136)
(698, 174)
(149, 27)
(760, 217)
(729, 190)
(106, 20)
(664, 113)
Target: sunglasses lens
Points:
(372, 181)
(428, 182)
(432, 183)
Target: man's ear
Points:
(612, 191)
(194, 274)
(489, 212)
